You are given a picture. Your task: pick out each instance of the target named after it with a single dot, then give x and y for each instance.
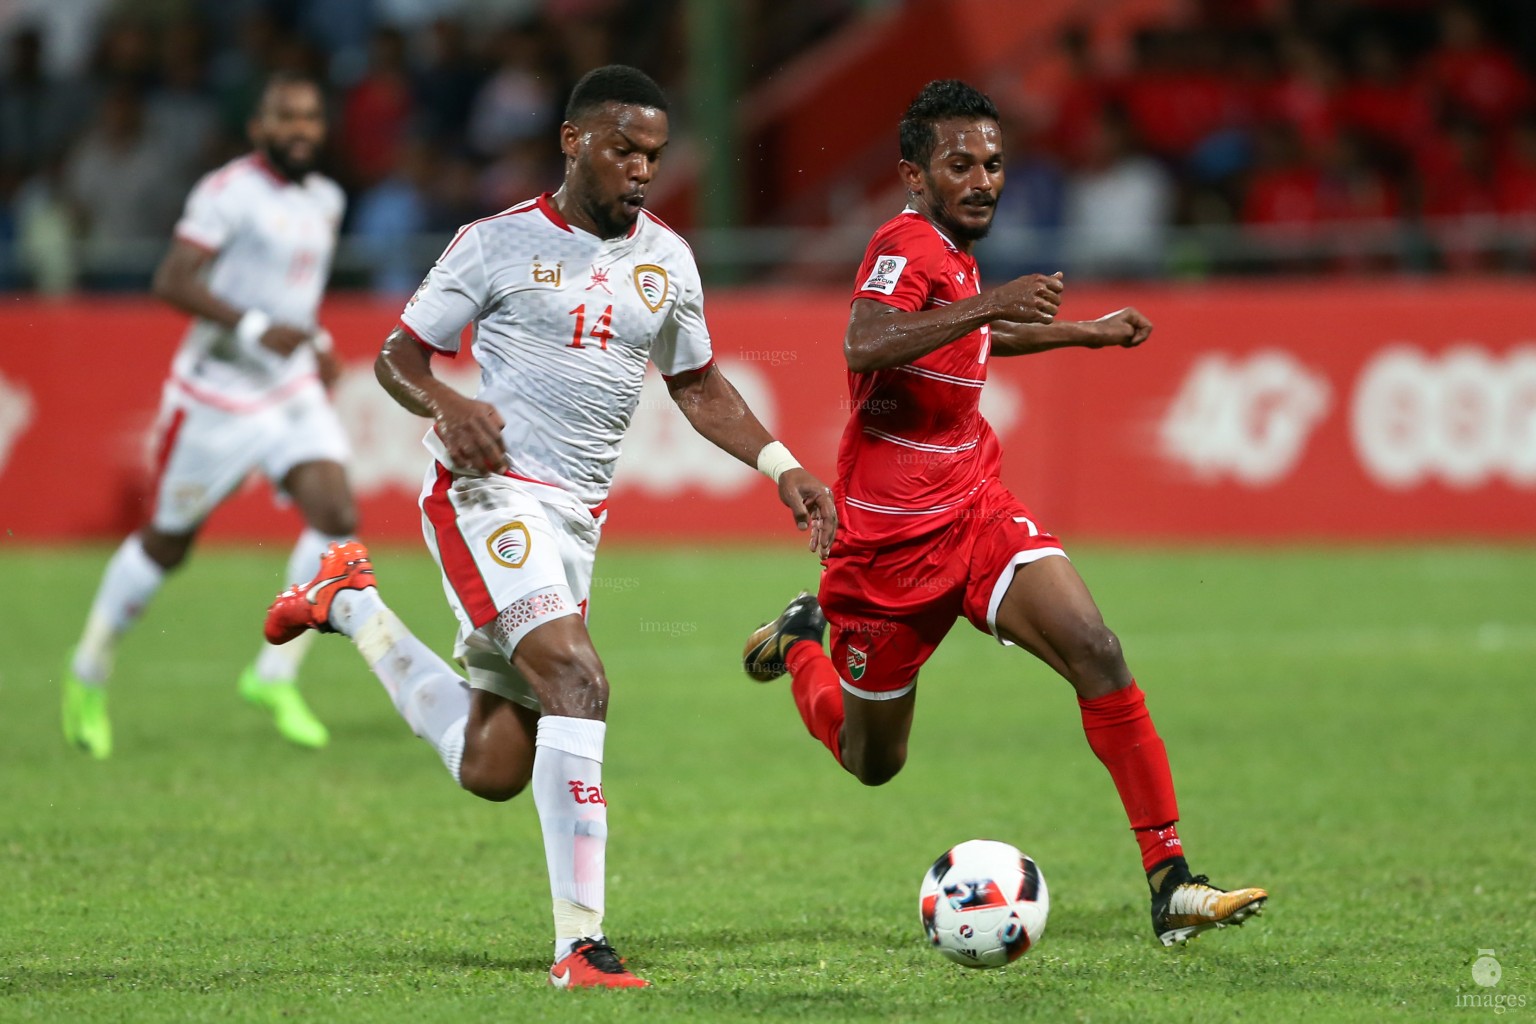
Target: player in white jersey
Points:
(570, 295)
(246, 393)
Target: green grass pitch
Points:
(1351, 728)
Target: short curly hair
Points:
(939, 101)
(614, 83)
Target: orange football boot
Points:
(344, 566)
(593, 964)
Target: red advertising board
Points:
(1263, 412)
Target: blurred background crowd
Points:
(1225, 136)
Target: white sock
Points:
(130, 580)
(431, 697)
(280, 663)
(568, 792)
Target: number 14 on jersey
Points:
(601, 331)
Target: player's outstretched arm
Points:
(179, 281)
(1125, 328)
(469, 429)
(881, 336)
(716, 410)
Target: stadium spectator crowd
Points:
(440, 110)
(1343, 136)
(1335, 137)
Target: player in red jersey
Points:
(930, 534)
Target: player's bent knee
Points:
(1104, 648)
(878, 774)
(495, 786)
(496, 793)
(875, 767)
(577, 670)
(570, 679)
(336, 522)
(1097, 660)
(167, 550)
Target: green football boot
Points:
(85, 717)
(295, 722)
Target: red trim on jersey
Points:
(167, 443)
(667, 227)
(458, 564)
(182, 236)
(225, 404)
(262, 164)
(424, 343)
(596, 510)
(523, 207)
(548, 207)
(546, 204)
(219, 178)
(684, 373)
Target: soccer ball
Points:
(983, 904)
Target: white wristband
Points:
(774, 461)
(321, 341)
(250, 329)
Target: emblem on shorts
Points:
(509, 545)
(546, 275)
(858, 661)
(651, 283)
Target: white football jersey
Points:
(564, 324)
(274, 239)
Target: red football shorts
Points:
(888, 607)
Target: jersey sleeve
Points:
(683, 345)
(456, 291)
(213, 212)
(899, 269)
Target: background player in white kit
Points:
(246, 392)
(570, 294)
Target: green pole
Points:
(713, 85)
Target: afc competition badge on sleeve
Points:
(885, 275)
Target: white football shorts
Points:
(513, 555)
(204, 451)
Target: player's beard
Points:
(945, 215)
(612, 218)
(292, 168)
(963, 231)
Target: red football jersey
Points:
(916, 447)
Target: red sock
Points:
(1120, 731)
(818, 693)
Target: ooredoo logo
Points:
(1246, 418)
(1465, 417)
